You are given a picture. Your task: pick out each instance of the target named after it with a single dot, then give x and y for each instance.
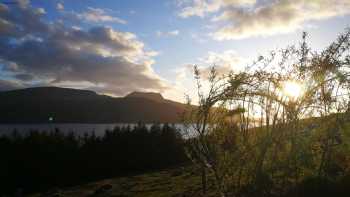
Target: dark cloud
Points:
(22, 20)
(108, 60)
(9, 85)
(24, 77)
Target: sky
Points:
(115, 47)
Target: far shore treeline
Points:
(38, 161)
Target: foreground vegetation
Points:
(172, 182)
(252, 136)
(39, 161)
(179, 182)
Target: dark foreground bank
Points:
(40, 161)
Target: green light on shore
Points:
(50, 119)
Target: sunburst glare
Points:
(292, 89)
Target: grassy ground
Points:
(176, 182)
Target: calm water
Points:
(78, 129)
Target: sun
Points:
(292, 89)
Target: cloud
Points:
(48, 53)
(199, 37)
(97, 15)
(23, 3)
(21, 21)
(203, 7)
(59, 6)
(41, 11)
(228, 59)
(264, 18)
(168, 33)
(279, 17)
(24, 77)
(224, 63)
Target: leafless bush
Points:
(255, 140)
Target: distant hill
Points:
(64, 105)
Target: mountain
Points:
(147, 95)
(64, 105)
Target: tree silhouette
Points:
(39, 161)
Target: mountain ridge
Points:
(66, 105)
(148, 95)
